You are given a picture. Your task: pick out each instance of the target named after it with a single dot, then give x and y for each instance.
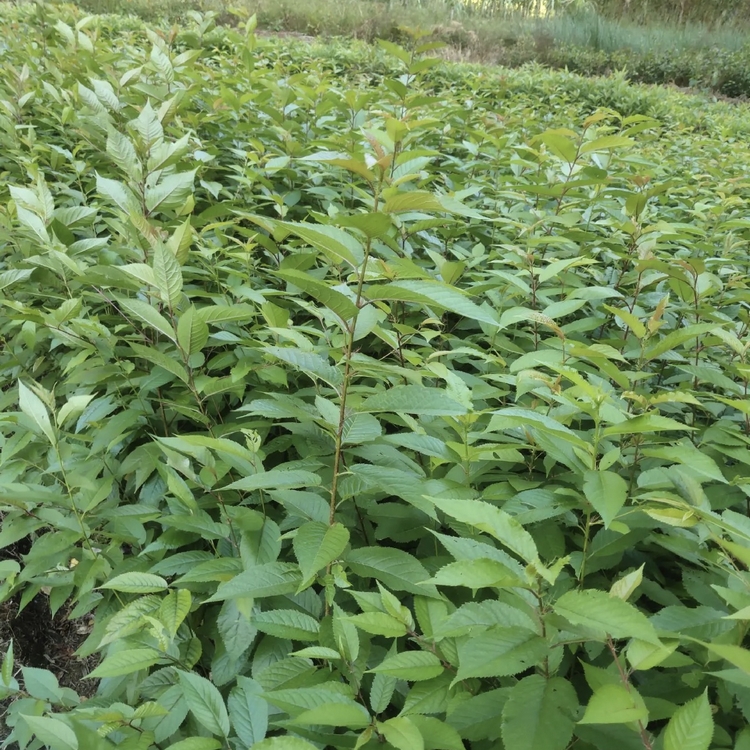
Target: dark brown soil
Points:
(43, 641)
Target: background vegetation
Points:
(350, 399)
(706, 49)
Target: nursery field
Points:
(354, 399)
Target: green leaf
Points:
(248, 712)
(393, 567)
(630, 320)
(415, 200)
(120, 149)
(336, 244)
(676, 338)
(560, 145)
(350, 714)
(196, 743)
(476, 574)
(316, 545)
(235, 626)
(493, 521)
(118, 193)
(414, 399)
(284, 743)
(33, 407)
(167, 275)
(180, 241)
(269, 579)
(218, 314)
(14, 275)
(736, 655)
(136, 583)
(335, 301)
(413, 666)
(360, 428)
(287, 623)
(437, 735)
(539, 714)
(379, 623)
(310, 363)
(205, 703)
(148, 315)
(174, 609)
(170, 364)
(6, 672)
(691, 726)
(126, 662)
(607, 493)
(42, 684)
(645, 423)
(432, 294)
(602, 614)
(605, 143)
(381, 692)
(170, 193)
(192, 332)
(499, 652)
(276, 479)
(55, 734)
(615, 704)
(625, 586)
(401, 733)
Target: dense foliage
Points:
(369, 402)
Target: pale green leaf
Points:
(394, 568)
(160, 359)
(414, 399)
(475, 574)
(691, 726)
(174, 609)
(136, 583)
(196, 743)
(248, 712)
(276, 479)
(126, 662)
(147, 314)
(499, 652)
(493, 521)
(120, 149)
(54, 733)
(379, 623)
(413, 666)
(316, 545)
(269, 579)
(335, 301)
(381, 692)
(33, 407)
(615, 704)
(539, 714)
(602, 614)
(118, 193)
(287, 623)
(401, 733)
(433, 294)
(192, 332)
(607, 493)
(205, 703)
(625, 586)
(167, 275)
(284, 743)
(336, 244)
